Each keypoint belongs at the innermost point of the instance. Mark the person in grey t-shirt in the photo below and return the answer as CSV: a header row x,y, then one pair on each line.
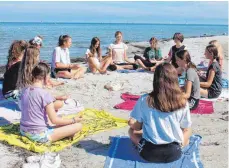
x,y
212,87
192,85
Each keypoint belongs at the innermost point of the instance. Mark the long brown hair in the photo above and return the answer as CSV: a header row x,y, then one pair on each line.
x,y
92,46
184,55
166,95
212,49
30,59
40,71
16,50
219,47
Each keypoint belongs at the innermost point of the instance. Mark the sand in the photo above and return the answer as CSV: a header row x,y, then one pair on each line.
x,y
92,151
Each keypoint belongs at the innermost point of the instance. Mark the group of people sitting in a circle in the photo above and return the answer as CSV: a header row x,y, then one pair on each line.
x,y
160,122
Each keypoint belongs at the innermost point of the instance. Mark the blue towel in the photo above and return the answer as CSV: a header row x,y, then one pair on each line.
x,y
122,154
130,71
1,85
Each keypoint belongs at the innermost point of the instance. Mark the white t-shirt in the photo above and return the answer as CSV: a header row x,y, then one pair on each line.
x,y
96,58
60,55
118,51
161,127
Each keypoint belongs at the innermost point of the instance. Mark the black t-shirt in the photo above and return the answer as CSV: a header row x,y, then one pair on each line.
x,y
10,78
216,85
174,49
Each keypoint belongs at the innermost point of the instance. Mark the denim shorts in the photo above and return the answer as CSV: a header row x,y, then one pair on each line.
x,y
42,137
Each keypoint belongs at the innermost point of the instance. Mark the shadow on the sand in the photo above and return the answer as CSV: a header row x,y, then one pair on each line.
x,y
93,147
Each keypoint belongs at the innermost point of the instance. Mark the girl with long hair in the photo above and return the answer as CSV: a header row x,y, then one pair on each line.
x,y
94,57
212,86
37,104
16,53
192,81
164,117
220,52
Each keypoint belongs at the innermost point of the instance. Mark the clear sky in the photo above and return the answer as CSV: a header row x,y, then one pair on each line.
x,y
116,12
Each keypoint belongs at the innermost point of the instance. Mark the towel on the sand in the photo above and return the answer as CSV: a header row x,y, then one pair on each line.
x,y
130,71
93,121
204,107
123,154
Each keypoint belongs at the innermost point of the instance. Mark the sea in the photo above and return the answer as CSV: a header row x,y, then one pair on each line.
x,y
82,33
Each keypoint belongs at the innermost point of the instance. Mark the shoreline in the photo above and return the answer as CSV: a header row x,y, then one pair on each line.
x,y
81,59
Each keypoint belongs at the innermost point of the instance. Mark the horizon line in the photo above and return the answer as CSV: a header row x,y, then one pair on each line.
x,y
60,22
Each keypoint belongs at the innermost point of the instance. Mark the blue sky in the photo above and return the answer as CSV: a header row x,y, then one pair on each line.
x,y
116,12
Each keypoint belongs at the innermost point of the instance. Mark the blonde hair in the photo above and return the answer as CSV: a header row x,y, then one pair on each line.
x,y
219,48
30,59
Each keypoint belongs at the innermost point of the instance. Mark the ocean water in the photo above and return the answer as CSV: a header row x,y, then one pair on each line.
x,y
82,33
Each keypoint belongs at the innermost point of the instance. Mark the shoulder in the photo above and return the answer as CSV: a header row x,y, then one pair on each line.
x,y
191,70
57,49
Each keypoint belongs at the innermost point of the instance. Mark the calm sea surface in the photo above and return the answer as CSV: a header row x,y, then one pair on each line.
x,y
82,34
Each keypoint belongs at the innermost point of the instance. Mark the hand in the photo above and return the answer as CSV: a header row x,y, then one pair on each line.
x,y
78,119
64,97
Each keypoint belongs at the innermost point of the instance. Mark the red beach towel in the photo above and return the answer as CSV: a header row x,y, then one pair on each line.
x,y
204,107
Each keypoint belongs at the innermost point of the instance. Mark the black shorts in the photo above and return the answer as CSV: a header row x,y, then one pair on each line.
x,y
212,94
113,67
53,73
163,153
145,62
193,103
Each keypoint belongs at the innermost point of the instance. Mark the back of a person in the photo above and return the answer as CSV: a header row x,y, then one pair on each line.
x,y
162,119
10,78
161,127
33,113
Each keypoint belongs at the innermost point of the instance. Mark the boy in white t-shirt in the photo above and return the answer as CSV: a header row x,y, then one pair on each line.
x,y
117,51
61,64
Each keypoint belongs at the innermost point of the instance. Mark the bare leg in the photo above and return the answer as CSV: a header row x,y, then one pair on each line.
x,y
78,73
135,138
105,63
64,74
204,92
65,131
141,64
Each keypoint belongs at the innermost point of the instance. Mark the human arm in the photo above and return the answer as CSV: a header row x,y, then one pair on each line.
x,y
185,124
188,89
58,120
209,81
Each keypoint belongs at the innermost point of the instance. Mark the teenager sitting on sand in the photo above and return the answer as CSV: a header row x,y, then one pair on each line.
x,y
212,85
61,64
94,57
30,59
220,53
37,42
16,53
117,51
164,118
178,39
36,104
192,84
151,57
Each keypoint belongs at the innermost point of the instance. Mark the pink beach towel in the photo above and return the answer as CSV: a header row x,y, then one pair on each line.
x,y
204,107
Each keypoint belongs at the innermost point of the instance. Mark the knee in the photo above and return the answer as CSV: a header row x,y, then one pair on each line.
x,y
130,132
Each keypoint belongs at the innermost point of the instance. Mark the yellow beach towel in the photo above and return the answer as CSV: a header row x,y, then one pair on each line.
x,y
93,121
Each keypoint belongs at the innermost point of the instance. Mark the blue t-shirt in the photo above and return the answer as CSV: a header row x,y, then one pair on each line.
x,y
161,127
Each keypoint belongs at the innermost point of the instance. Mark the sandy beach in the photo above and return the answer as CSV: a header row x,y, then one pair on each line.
x,y
92,151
